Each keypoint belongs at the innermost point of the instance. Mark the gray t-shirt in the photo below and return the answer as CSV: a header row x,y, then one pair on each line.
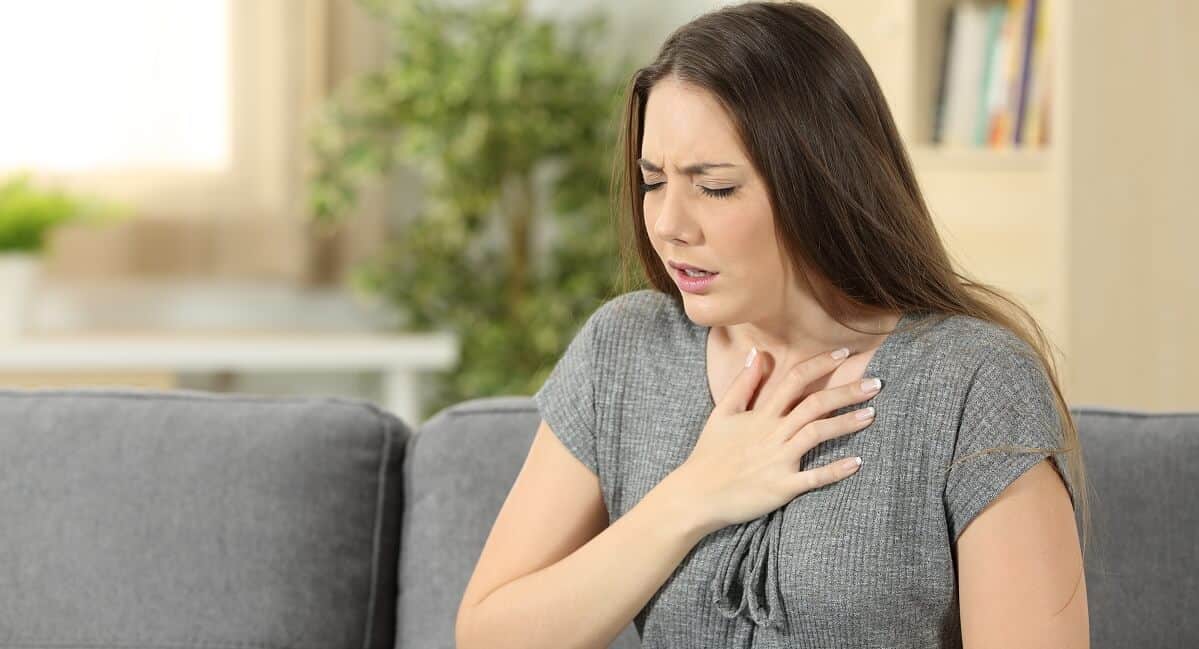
x,y
867,561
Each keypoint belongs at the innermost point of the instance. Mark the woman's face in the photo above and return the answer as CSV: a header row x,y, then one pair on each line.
x,y
714,217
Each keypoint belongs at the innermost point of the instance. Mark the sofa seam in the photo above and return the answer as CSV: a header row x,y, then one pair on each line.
x,y
380,493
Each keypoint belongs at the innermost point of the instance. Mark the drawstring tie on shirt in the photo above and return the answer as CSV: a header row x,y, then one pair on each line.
x,y
746,580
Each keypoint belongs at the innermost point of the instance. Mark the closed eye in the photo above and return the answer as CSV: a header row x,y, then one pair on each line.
x,y
714,193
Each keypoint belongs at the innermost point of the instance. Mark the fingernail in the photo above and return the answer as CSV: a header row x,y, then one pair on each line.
x,y
841,353
753,351
870,385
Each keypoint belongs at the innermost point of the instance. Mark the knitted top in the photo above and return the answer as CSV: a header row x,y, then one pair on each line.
x,y
867,561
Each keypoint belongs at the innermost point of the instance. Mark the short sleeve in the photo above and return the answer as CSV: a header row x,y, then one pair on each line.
x,y
566,400
1010,402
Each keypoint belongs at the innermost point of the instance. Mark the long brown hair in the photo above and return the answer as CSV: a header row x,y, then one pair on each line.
x,y
847,208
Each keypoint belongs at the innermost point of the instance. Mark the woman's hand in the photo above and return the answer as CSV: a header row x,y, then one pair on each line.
x,y
746,462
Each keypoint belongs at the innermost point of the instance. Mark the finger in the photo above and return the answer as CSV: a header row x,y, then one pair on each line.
x,y
812,479
740,394
820,403
808,436
798,377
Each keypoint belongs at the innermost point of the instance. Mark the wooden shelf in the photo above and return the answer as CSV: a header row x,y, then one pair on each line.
x,y
1093,232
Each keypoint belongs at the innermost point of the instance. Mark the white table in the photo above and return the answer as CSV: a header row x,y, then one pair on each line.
x,y
399,358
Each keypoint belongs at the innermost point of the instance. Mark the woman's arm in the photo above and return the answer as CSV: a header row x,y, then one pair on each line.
x,y
1020,569
553,573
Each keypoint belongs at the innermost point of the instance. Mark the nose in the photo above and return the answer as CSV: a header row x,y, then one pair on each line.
x,y
669,216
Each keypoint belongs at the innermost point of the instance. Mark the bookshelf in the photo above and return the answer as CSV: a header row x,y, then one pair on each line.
x,y
1093,231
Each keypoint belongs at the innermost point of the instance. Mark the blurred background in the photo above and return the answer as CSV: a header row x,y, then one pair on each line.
x,y
406,200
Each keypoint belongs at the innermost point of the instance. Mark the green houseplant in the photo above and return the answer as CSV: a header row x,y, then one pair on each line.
x,y
510,121
27,215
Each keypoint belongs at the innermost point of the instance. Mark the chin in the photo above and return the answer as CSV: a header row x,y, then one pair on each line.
x,y
702,309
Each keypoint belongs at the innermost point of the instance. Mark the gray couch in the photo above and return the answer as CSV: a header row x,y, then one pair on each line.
x,y
137,518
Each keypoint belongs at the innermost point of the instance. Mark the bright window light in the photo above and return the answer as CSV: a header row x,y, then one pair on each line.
x,y
114,85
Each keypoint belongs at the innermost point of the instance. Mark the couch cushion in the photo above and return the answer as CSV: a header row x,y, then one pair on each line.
x,y
1143,560
134,517
459,468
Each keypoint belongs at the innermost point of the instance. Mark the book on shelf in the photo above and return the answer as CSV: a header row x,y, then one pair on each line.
x,y
993,90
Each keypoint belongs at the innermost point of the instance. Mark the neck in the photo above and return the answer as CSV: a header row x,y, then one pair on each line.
x,y
793,339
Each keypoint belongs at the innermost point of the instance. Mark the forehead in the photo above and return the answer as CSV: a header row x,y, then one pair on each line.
x,y
685,124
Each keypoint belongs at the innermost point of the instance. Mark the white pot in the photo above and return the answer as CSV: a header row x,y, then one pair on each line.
x,y
19,273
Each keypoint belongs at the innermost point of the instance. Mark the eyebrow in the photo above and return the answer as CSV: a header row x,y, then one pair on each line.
x,y
697,168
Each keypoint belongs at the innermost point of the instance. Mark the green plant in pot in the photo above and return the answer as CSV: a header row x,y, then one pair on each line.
x,y
510,121
27,216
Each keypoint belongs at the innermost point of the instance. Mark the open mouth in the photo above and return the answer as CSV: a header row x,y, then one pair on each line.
x,y
694,283
688,270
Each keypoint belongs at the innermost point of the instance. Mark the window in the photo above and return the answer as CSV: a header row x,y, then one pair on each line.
x,y
181,108
115,85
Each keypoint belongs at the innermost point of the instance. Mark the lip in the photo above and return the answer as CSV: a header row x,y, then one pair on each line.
x,y
678,265
697,285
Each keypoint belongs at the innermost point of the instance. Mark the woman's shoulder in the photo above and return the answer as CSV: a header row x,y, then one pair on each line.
x,y
644,324
646,311
973,344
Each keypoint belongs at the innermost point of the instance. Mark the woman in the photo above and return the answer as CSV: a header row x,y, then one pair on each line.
x,y
708,500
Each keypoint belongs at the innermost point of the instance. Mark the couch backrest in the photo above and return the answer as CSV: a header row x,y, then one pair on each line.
x,y
1143,560
459,467
1142,564
140,517
189,519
